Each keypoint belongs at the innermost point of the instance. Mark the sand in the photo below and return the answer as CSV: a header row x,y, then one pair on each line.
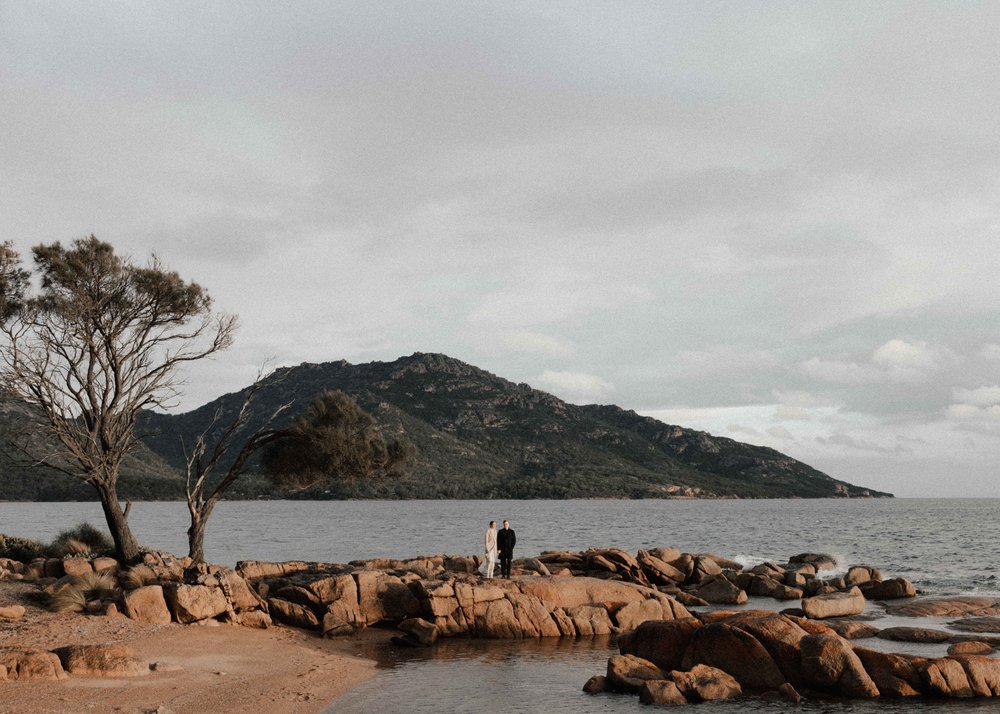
x,y
199,669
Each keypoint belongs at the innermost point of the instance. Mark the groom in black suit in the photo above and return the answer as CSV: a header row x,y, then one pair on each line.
x,y
505,545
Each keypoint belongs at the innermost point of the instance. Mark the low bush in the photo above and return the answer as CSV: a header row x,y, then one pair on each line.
x,y
82,539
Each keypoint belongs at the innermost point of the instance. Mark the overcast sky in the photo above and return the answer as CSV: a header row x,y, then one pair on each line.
x,y
774,221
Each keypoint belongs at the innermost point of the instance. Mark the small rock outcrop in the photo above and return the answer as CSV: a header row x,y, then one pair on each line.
x,y
12,612
110,660
146,604
31,663
838,604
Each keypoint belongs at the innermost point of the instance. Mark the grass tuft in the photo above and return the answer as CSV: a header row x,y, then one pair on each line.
x,y
74,595
67,599
81,539
138,576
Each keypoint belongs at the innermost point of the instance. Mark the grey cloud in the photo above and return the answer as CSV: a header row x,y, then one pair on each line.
x,y
691,201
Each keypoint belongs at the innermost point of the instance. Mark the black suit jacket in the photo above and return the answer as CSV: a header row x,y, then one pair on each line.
x,y
505,541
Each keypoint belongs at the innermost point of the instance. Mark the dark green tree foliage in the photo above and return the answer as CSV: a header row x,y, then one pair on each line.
x,y
334,439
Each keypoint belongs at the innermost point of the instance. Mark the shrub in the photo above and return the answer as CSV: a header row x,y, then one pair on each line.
x,y
21,549
74,595
67,599
137,576
82,538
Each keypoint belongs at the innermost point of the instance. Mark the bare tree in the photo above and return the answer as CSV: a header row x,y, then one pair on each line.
x,y
203,459
100,340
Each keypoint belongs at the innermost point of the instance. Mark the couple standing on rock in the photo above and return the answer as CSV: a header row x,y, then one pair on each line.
x,y
502,541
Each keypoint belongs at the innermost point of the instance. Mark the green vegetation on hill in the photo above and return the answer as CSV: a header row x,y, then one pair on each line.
x,y
476,436
480,436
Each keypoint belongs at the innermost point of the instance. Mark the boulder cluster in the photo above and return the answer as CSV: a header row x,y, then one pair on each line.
x,y
702,579
669,654
724,654
159,590
442,596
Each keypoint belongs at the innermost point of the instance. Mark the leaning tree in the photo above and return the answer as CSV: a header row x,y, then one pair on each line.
x,y
96,341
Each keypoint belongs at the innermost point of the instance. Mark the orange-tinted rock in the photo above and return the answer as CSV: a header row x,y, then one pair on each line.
x,y
914,634
658,570
30,663
590,620
703,567
895,675
626,673
257,619
12,612
257,569
102,564
970,647
191,603
780,637
829,662
662,642
893,589
294,614
661,692
812,626
945,677
736,652
947,607
717,589
146,604
858,574
533,616
983,674
238,592
498,621
424,632
838,604
77,566
852,630
114,660
335,587
704,684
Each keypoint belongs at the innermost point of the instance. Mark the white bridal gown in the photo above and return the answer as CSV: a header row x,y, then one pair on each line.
x,y
490,561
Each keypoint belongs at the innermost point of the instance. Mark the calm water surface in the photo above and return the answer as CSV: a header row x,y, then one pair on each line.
x,y
945,546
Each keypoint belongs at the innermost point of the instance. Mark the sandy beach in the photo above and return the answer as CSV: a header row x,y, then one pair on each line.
x,y
224,668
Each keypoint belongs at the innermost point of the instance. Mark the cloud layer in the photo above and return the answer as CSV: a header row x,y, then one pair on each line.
x,y
783,217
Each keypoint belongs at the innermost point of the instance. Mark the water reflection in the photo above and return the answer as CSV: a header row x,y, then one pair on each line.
x,y
466,675
546,676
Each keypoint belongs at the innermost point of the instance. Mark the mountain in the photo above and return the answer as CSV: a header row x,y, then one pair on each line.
x,y
480,436
144,475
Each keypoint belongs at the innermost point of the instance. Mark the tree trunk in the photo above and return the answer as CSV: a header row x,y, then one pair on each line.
x,y
126,546
196,531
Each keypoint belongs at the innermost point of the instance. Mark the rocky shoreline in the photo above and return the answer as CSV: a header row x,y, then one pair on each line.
x,y
676,644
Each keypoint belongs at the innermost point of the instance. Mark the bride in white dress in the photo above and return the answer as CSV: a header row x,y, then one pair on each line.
x,y
490,561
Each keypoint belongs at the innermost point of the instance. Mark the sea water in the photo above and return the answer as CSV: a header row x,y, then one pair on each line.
x,y
945,546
